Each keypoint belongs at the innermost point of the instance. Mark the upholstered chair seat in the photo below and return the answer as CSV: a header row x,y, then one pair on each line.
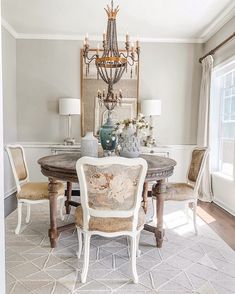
x,y
29,192
37,191
178,192
109,224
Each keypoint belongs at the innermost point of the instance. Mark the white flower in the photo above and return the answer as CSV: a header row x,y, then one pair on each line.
x,y
120,188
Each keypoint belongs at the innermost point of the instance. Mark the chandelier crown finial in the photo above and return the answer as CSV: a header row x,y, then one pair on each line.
x,y
112,12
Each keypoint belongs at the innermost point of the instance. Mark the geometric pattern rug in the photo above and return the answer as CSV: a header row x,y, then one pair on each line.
x,y
186,263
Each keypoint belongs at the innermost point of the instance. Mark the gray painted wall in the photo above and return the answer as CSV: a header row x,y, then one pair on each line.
x,y
171,72
9,86
9,101
226,51
49,69
46,71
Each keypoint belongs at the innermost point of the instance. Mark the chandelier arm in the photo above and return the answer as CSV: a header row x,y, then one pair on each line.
x,y
131,63
131,60
88,59
124,55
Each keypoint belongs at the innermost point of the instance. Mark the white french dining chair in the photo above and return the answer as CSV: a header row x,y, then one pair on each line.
x,y
188,191
111,193
29,192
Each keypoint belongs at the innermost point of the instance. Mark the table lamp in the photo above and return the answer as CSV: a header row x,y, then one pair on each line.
x,y
151,108
69,107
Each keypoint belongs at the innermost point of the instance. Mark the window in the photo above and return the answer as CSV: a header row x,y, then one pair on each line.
x,y
223,118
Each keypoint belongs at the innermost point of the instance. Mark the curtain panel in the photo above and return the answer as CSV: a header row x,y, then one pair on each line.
x,y
205,190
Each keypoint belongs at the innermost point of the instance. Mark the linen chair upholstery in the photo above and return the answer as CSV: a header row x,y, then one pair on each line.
x,y
28,192
188,191
109,224
111,192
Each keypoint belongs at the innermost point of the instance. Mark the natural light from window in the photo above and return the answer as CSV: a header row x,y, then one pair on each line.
x,y
223,117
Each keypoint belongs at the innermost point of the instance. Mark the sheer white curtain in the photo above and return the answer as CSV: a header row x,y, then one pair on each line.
x,y
205,191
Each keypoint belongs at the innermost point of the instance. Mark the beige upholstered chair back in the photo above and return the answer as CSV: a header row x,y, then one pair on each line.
x,y
111,186
197,165
18,164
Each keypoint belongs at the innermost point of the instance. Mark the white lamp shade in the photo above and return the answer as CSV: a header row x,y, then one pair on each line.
x,y
151,107
69,106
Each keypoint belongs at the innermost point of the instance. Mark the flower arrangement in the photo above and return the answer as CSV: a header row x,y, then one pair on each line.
x,y
138,126
131,134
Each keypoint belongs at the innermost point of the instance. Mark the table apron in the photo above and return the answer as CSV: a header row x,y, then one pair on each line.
x,y
57,175
72,177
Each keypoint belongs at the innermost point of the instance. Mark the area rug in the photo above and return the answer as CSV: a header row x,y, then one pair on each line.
x,y
186,263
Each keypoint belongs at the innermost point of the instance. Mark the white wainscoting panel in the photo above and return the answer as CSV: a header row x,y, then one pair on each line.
x,y
9,182
224,192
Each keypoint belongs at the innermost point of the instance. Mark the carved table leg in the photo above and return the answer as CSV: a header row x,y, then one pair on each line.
x,y
53,233
68,195
159,188
145,196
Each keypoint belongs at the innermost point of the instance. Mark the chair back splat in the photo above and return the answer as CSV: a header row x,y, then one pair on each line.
x,y
197,165
18,164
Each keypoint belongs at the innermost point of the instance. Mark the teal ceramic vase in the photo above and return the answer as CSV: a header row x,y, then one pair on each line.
x,y
108,140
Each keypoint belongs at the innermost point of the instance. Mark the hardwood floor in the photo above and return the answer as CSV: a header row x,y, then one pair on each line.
x,y
222,222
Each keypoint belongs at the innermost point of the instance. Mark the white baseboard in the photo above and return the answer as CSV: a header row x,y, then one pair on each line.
x,y
10,192
224,206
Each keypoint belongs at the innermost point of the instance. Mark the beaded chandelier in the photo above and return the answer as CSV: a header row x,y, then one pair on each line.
x,y
112,63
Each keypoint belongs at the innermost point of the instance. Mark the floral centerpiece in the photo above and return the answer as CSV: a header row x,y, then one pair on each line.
x,y
130,133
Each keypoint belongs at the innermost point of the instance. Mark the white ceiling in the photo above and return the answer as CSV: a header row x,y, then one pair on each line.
x,y
157,20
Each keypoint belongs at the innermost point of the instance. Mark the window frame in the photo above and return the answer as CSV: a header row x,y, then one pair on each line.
x,y
217,118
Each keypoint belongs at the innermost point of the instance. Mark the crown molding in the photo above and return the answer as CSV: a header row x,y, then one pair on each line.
x,y
94,38
171,40
219,22
9,28
55,37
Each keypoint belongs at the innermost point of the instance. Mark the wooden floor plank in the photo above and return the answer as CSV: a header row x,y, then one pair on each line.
x,y
222,222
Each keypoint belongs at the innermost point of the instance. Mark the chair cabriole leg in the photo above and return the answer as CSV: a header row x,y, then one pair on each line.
x,y
79,232
195,217
28,214
86,257
186,211
19,212
138,251
133,259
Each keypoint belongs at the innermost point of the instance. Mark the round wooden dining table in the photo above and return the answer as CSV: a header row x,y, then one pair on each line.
x,y
62,167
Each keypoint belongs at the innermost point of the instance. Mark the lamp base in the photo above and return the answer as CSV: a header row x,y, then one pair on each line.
x,y
69,141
